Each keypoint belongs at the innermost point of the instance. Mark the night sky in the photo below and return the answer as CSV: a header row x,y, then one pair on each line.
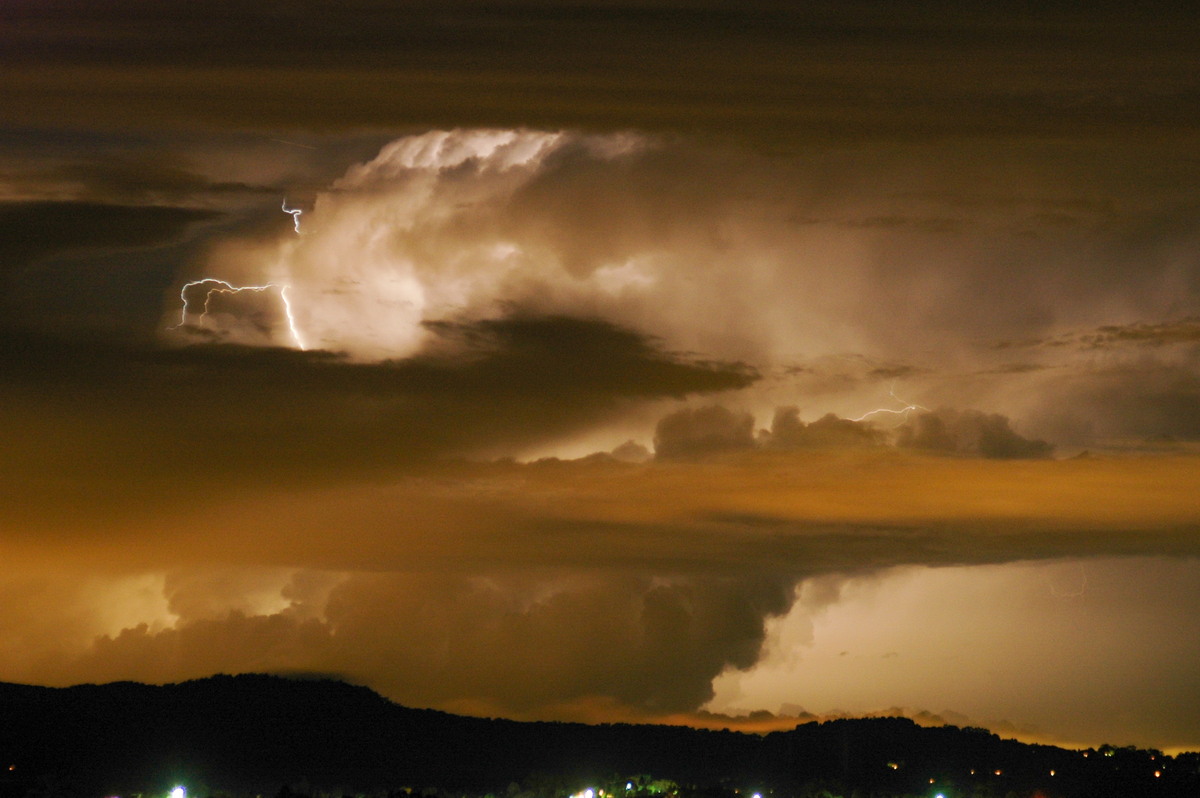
x,y
699,362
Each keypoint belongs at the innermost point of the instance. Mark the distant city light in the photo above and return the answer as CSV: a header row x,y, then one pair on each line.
x,y
940,795
629,785
1052,773
178,792
1158,774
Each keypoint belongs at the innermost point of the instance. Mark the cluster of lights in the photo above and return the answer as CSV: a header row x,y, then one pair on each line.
x,y
893,765
997,772
180,791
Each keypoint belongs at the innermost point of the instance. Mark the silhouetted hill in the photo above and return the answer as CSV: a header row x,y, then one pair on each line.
x,y
253,734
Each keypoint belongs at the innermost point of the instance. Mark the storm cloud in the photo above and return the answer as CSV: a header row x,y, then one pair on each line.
x,y
537,242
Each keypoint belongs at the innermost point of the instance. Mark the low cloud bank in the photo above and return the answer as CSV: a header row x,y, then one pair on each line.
x,y
696,433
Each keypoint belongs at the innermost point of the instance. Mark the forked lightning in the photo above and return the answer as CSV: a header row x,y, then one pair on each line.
x,y
902,412
215,286
295,212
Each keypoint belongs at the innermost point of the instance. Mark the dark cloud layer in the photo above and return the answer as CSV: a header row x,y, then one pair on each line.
x,y
66,266
969,432
692,433
487,643
713,430
789,432
1110,336
110,414
30,231
844,69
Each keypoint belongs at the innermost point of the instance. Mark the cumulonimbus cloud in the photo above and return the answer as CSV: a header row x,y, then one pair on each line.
x,y
469,294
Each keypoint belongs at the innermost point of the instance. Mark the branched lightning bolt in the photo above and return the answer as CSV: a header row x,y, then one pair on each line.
x,y
902,412
287,309
295,212
216,286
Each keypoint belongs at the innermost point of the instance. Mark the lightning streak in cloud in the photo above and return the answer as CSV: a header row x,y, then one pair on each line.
x,y
902,412
295,212
287,309
216,286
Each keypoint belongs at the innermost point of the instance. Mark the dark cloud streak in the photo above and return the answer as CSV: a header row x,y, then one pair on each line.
x,y
845,70
30,231
174,420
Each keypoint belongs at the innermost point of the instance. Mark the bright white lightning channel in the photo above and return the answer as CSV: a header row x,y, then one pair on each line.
x,y
902,412
216,286
295,212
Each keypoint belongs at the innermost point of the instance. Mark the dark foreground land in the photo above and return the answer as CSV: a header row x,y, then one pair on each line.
x,y
263,735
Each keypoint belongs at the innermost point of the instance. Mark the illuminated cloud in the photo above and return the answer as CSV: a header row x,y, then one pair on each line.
x,y
854,649
484,293
625,590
